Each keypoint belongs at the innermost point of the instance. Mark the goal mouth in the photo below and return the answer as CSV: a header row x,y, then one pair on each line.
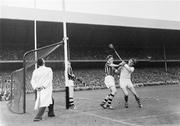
x,y
20,77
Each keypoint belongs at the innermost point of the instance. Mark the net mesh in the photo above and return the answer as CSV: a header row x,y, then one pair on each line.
x,y
17,100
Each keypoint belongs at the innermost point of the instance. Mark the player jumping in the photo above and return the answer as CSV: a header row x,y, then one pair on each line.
x,y
109,82
125,81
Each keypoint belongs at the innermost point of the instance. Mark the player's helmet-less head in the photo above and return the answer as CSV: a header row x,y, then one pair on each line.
x,y
108,57
40,62
132,61
69,63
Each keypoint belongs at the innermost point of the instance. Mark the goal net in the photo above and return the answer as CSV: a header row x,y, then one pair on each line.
x,y
20,79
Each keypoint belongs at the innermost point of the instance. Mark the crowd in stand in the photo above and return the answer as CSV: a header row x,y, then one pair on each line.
x,y
91,77
92,53
10,54
95,78
5,95
77,54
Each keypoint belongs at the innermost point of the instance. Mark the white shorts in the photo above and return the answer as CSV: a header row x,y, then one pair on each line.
x,y
70,83
125,83
109,81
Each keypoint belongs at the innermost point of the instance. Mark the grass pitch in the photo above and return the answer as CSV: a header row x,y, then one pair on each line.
x,y
161,106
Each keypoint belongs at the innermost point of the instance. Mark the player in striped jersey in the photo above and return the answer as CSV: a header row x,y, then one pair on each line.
x,y
125,81
109,82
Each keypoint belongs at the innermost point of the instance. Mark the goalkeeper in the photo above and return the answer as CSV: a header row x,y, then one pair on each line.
x,y
71,78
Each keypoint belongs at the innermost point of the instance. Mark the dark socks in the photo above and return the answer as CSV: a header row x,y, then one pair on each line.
x,y
126,98
137,98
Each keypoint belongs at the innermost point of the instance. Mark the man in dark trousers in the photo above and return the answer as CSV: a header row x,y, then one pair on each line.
x,y
42,82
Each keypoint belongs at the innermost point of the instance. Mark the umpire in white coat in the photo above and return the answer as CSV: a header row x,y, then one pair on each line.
x,y
42,82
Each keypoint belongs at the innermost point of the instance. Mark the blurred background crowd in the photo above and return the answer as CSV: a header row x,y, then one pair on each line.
x,y
88,48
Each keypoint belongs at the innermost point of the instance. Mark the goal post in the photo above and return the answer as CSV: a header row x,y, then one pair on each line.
x,y
17,103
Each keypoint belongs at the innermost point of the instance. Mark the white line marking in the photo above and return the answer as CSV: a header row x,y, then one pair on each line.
x,y
114,120
81,98
151,116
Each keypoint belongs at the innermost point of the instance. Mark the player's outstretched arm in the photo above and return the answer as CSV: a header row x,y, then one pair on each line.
x,y
131,69
113,65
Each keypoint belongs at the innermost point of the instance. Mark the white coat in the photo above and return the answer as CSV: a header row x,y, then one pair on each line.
x,y
42,77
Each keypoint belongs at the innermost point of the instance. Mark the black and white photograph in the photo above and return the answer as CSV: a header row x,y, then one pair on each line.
x,y
89,62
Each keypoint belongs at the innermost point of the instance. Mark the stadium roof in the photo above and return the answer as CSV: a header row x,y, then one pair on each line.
x,y
21,13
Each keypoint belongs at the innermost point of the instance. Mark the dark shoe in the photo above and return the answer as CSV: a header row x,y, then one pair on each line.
x,y
126,105
72,107
109,107
51,115
140,105
37,119
103,106
103,103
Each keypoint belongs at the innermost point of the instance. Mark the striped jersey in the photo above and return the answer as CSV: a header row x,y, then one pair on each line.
x,y
109,70
70,73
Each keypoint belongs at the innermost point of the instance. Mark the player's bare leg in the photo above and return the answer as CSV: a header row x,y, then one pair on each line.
x,y
125,96
132,89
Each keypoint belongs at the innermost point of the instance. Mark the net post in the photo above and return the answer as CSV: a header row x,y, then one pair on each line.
x,y
11,86
24,85
66,72
65,53
67,97
165,58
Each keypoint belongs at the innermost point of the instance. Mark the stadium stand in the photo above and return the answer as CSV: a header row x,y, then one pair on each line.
x,y
90,43
86,54
95,77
